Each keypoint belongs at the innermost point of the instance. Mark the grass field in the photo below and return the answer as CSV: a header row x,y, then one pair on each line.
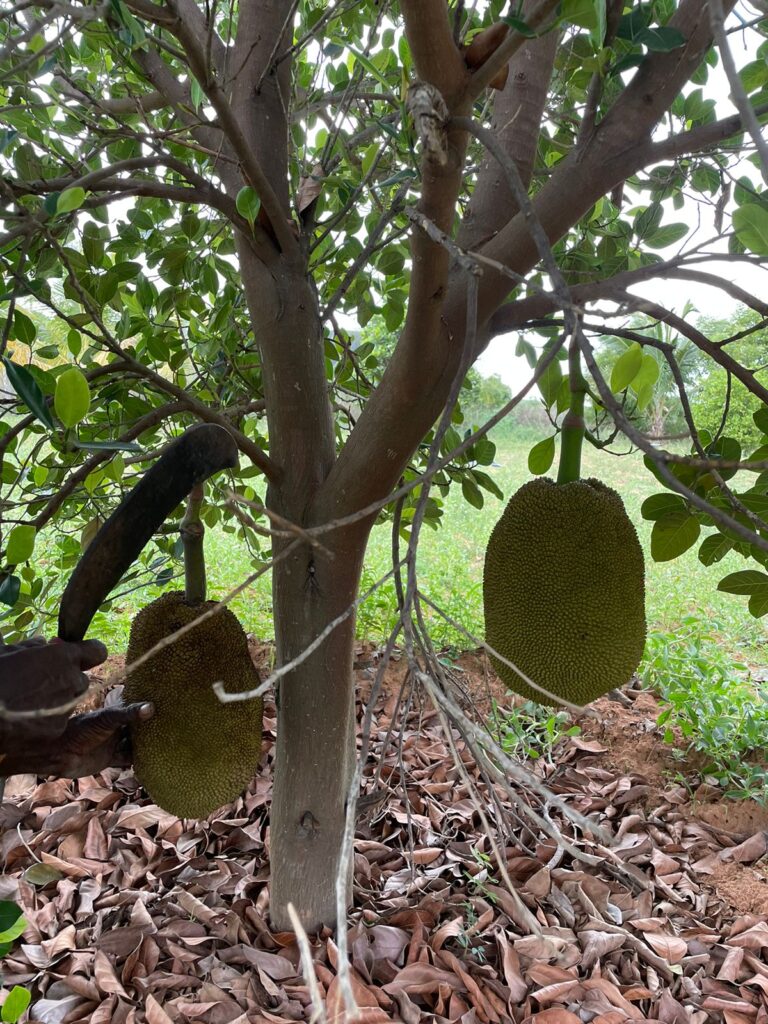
x,y
706,656
450,568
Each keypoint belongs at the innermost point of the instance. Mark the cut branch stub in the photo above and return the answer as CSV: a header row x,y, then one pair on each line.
x,y
429,113
483,45
192,533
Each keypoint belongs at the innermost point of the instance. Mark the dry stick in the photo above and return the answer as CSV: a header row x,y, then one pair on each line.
x,y
289,529
527,918
738,95
308,966
659,458
520,775
523,807
546,825
17,716
168,641
348,836
471,439
563,294
289,666
576,709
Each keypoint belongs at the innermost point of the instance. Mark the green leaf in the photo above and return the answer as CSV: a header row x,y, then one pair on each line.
x,y
488,483
541,456
761,418
472,492
647,222
748,581
626,367
12,922
107,446
24,329
483,451
519,26
661,39
758,605
73,397
589,14
248,204
644,394
42,874
70,199
16,1002
10,586
714,548
26,387
659,506
525,348
647,375
729,450
673,535
369,66
750,222
21,544
196,93
667,235
549,383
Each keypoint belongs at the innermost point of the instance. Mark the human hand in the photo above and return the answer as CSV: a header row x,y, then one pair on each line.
x,y
40,683
90,742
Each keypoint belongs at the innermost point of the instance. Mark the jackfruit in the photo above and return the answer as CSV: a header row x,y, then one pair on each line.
x,y
196,754
564,591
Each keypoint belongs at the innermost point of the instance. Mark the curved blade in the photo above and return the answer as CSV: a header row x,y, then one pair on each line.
x,y
198,453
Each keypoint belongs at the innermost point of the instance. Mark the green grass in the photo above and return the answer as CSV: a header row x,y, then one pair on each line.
x,y
703,646
450,569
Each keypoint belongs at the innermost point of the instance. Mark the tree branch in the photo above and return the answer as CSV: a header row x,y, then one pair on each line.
x,y
536,20
435,55
698,139
232,128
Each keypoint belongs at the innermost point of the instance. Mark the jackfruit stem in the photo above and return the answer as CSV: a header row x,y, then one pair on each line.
x,y
572,434
192,533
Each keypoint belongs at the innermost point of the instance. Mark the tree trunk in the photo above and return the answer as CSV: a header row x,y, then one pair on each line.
x,y
310,587
315,731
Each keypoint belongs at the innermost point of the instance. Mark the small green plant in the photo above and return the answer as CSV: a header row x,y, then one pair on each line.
x,y
719,710
12,924
530,730
466,938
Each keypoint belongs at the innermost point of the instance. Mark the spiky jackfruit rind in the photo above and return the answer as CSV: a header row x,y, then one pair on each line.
x,y
564,591
196,754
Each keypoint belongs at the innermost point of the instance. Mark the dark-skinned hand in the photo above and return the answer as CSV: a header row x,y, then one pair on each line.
x,y
49,679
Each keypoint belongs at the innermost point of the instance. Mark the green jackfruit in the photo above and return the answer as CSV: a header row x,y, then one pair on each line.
x,y
564,591
196,754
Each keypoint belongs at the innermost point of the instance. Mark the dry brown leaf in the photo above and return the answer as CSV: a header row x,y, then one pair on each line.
x,y
671,947
335,1006
753,938
555,1015
105,976
421,979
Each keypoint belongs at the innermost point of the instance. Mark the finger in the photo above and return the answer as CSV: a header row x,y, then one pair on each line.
x,y
141,712
130,714
89,653
100,724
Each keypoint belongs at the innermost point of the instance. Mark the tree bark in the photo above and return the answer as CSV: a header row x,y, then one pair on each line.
x,y
315,732
311,586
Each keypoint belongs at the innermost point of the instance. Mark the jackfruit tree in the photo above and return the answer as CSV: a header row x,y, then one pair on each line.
x,y
209,200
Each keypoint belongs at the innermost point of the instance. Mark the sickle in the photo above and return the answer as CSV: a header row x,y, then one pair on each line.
x,y
196,455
